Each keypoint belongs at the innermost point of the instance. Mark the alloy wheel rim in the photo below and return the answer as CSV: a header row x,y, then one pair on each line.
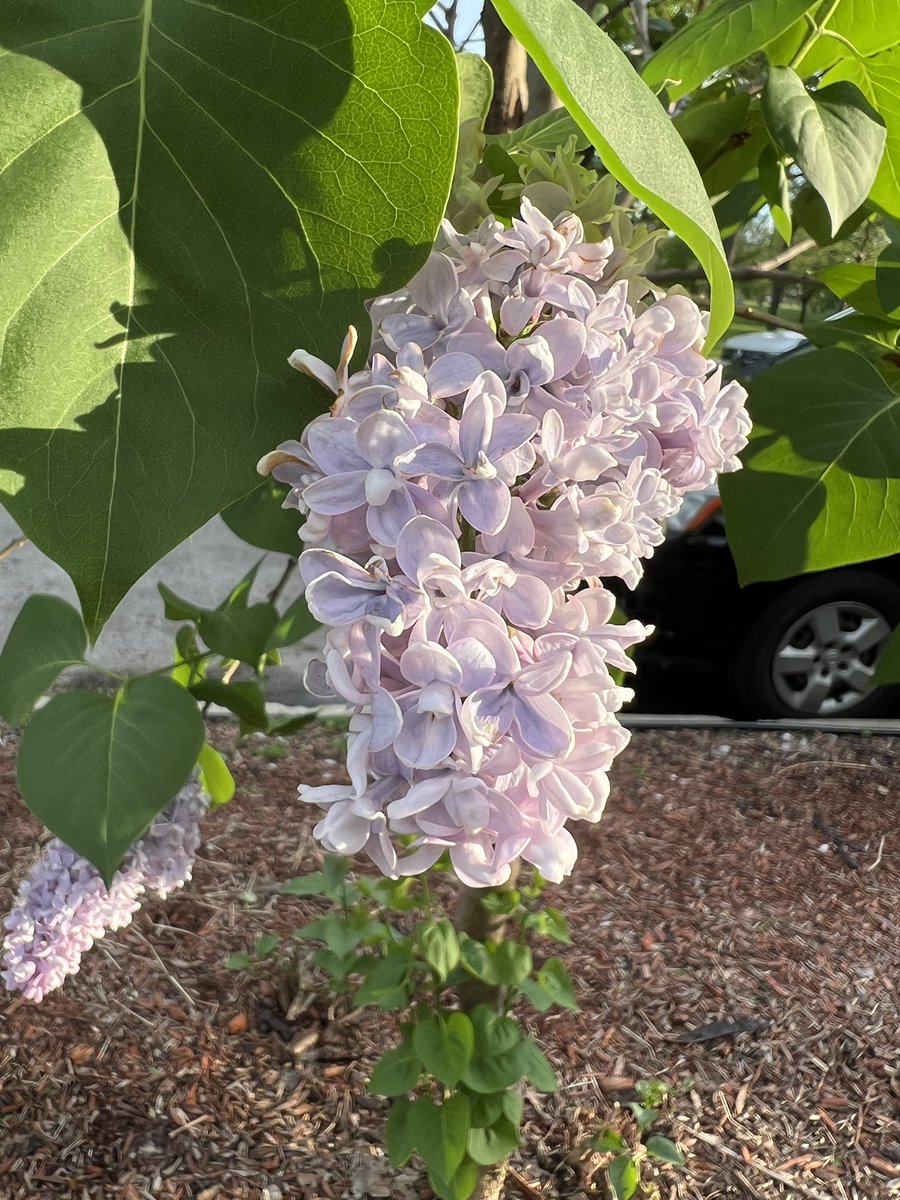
x,y
824,662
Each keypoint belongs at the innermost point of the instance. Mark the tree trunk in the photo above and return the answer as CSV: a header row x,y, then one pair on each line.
x,y
490,1183
475,920
509,64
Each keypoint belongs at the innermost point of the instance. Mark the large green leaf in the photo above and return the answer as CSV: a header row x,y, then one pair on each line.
x,y
445,1045
47,636
627,126
868,25
97,769
834,134
189,189
439,1132
821,481
726,32
879,80
261,519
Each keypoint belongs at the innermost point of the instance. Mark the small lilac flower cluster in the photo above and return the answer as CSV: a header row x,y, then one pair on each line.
x,y
521,433
63,906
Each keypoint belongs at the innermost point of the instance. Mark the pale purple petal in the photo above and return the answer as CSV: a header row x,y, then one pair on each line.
x,y
384,435
484,503
431,459
336,493
425,740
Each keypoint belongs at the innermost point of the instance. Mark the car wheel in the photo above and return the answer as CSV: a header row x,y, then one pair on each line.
x,y
812,650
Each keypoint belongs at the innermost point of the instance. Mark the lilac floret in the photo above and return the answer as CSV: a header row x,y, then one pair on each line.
x,y
63,906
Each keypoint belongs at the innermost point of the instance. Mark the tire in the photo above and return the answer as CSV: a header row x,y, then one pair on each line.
x,y
809,651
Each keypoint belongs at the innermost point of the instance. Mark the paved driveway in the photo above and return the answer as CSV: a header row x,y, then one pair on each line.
x,y
138,637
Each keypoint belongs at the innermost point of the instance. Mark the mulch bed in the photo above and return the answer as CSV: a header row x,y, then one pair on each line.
x,y
754,883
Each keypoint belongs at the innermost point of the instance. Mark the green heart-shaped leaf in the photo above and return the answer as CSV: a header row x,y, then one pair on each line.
x,y
834,135
97,769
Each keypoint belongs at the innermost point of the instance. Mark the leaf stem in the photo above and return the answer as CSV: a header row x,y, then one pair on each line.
x,y
15,544
817,30
282,582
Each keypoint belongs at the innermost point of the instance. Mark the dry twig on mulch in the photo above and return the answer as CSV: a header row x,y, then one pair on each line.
x,y
722,943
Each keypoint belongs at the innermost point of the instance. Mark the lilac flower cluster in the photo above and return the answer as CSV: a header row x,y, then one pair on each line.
x,y
521,433
63,906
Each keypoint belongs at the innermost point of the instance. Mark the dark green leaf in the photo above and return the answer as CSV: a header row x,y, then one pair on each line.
x,y
385,980
738,206
887,280
238,962
498,1062
294,623
608,1141
494,1034
628,127
460,1186
711,121
445,1045
342,934
822,473
440,945
261,519
492,1145
47,636
774,183
215,778
871,337
97,769
265,945
834,134
537,1066
197,189
478,962
396,1072
398,1137
643,1117
512,962
187,651
624,1177
177,609
292,724
539,998
487,1108
240,633
439,1132
554,978
735,161
514,1106
724,33
664,1150
878,78
810,212
245,699
501,902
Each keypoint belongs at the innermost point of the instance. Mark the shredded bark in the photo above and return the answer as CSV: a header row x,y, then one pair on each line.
x,y
713,895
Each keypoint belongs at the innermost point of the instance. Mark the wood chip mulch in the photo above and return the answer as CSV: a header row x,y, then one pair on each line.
x,y
735,919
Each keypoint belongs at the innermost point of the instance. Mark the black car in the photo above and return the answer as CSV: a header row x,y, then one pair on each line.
x,y
801,647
